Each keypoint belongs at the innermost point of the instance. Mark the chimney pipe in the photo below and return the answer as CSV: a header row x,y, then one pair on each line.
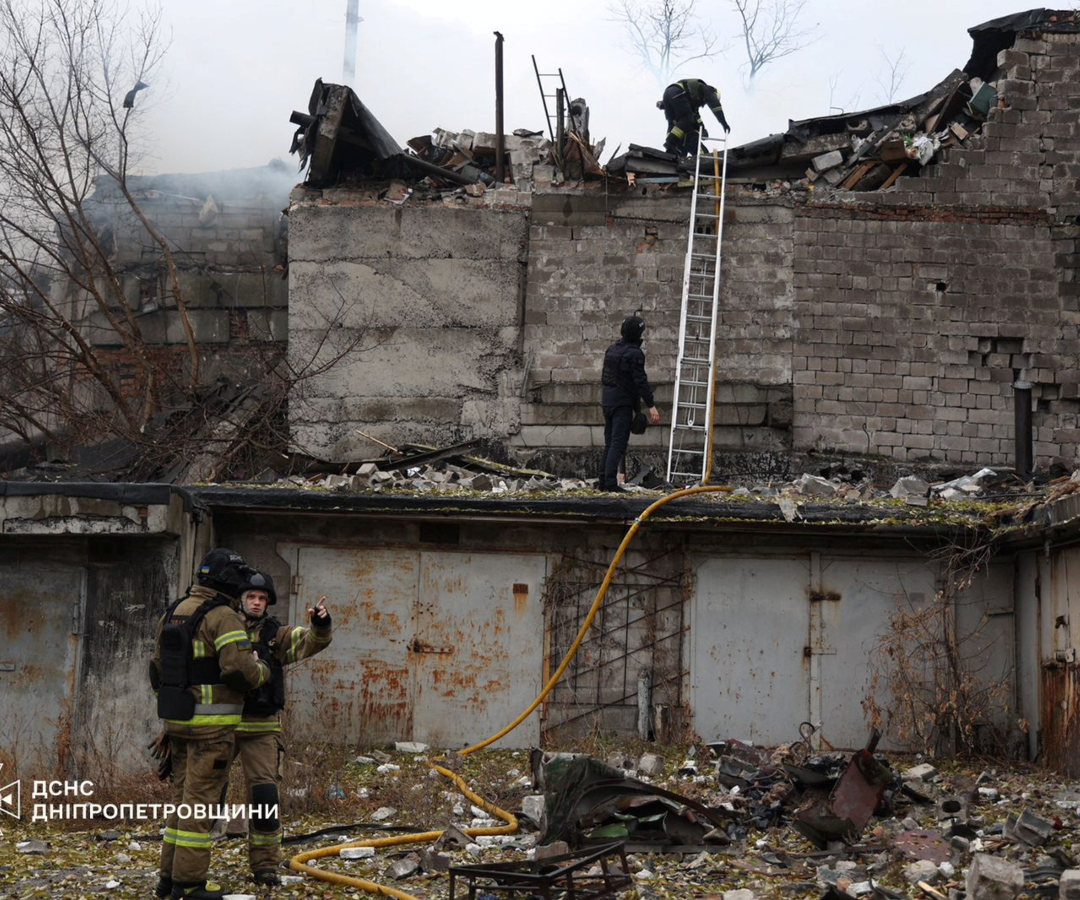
x,y
500,138
352,21
1022,433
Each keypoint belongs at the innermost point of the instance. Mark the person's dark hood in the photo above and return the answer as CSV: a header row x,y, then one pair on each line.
x,y
632,329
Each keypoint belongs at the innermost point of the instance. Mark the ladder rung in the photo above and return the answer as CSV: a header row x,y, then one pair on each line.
x,y
690,452
692,318
708,256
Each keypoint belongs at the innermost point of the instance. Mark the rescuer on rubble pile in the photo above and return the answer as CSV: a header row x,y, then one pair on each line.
x,y
681,104
259,742
203,665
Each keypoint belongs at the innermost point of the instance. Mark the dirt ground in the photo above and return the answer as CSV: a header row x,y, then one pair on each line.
x,y
82,859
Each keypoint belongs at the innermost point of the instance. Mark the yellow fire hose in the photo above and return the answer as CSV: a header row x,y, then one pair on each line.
x,y
299,862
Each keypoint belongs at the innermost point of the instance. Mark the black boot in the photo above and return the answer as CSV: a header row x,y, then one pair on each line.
x,y
268,877
164,887
199,890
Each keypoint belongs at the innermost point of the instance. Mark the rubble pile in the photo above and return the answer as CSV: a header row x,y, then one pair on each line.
x,y
472,154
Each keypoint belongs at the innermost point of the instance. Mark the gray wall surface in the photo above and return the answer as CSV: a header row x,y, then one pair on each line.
x,y
888,323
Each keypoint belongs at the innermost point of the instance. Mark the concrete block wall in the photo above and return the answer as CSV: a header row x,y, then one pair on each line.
x,y
919,308
891,323
424,309
583,279
227,237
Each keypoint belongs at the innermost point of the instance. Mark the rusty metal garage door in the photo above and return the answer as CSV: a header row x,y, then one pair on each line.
x,y
40,615
749,624
443,647
776,641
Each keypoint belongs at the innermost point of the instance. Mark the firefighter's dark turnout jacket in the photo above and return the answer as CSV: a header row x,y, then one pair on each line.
x,y
681,103
221,637
224,669
281,645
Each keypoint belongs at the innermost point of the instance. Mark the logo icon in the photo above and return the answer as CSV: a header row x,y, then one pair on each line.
x,y
10,797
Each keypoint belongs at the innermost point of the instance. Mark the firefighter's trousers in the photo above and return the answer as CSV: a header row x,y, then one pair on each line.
x,y
261,756
200,772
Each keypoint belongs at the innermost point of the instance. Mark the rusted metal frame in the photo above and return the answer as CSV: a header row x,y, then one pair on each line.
x,y
641,569
622,656
642,618
526,877
588,712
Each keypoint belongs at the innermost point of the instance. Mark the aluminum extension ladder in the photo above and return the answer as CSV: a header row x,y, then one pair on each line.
x,y
690,448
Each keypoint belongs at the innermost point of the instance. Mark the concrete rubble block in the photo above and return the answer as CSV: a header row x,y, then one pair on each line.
x,y
993,878
650,764
405,867
430,861
356,852
911,490
921,870
411,747
481,482
452,838
383,813
815,486
952,808
534,807
740,894
1069,885
827,161
1033,830
555,848
833,177
924,771
36,848
367,470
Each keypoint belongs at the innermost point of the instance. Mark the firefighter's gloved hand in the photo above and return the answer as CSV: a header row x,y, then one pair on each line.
x,y
724,124
319,614
161,750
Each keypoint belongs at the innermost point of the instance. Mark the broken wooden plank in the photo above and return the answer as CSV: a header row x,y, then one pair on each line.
x,y
897,172
855,177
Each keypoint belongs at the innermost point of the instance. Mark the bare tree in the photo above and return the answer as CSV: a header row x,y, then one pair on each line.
x,y
77,362
834,87
890,78
771,30
664,35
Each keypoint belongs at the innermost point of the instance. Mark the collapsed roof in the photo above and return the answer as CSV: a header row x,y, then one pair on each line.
x,y
871,148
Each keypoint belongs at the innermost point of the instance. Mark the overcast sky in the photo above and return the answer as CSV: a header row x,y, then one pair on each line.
x,y
237,68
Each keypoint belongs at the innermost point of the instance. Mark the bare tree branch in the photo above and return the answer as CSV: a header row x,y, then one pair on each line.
x,y
890,78
664,35
771,30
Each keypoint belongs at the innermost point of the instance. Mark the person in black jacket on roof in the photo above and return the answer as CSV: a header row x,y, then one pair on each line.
x,y
681,104
625,386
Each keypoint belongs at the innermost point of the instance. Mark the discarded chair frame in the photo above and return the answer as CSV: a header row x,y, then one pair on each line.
x,y
565,876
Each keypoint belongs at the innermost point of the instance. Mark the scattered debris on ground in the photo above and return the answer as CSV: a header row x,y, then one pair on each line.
x,y
936,829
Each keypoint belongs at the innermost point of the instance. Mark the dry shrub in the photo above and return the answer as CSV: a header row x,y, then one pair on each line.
x,y
941,697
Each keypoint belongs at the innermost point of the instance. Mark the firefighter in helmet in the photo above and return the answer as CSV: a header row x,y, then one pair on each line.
x,y
259,742
202,668
681,105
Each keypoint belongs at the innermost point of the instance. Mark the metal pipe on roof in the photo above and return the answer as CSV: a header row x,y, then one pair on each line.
x,y
500,138
1022,431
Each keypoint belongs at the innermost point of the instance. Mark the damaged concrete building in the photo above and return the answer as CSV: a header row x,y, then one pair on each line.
x,y
889,324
